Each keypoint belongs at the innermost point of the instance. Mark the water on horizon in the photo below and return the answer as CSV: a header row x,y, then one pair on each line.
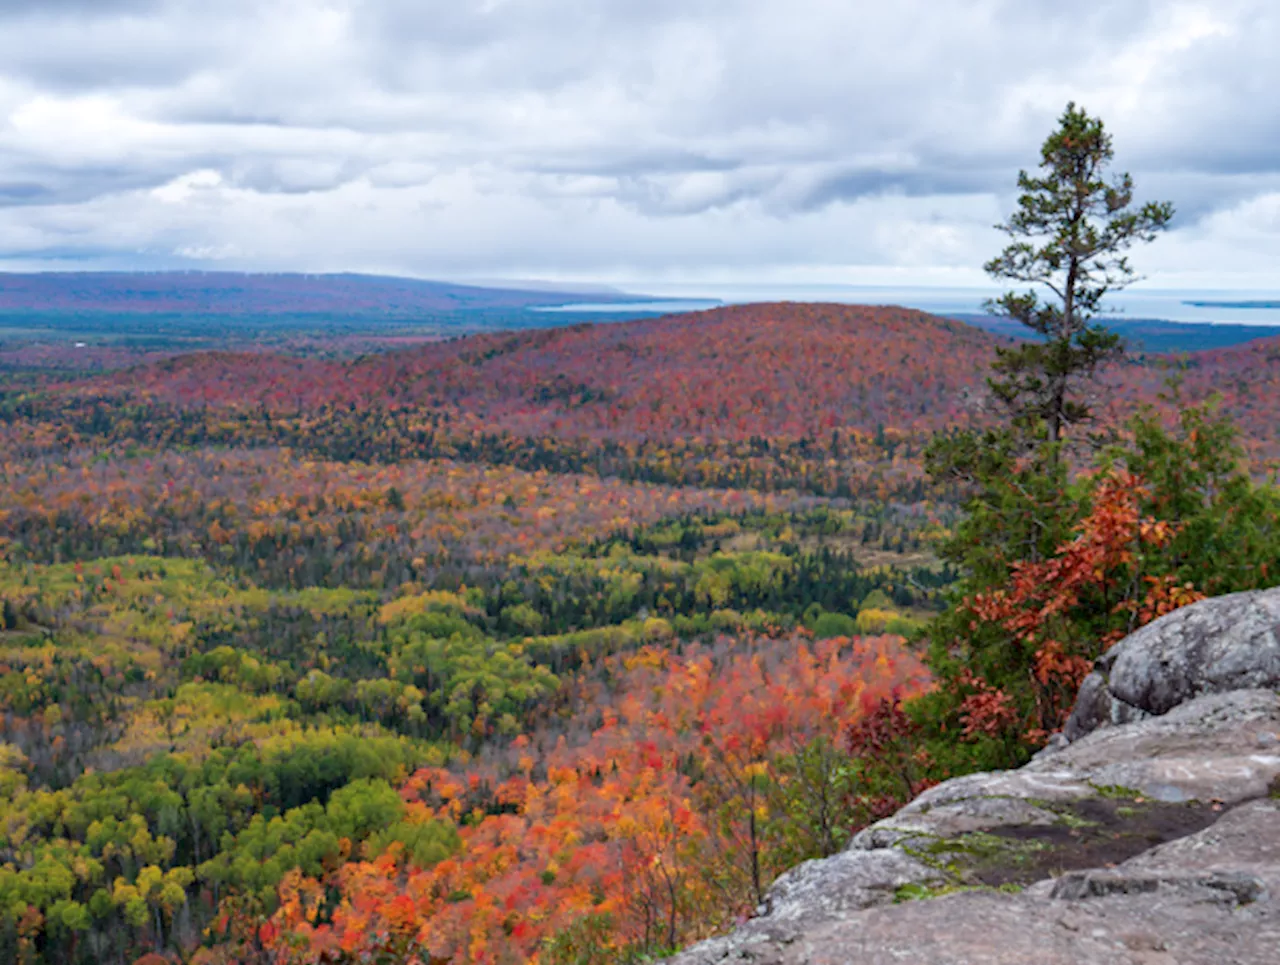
x,y
1163,305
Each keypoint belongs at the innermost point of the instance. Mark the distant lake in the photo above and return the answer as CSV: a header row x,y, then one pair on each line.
x,y
1199,305
651,307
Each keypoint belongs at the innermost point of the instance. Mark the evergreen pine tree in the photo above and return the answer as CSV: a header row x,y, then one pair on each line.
x,y
1069,235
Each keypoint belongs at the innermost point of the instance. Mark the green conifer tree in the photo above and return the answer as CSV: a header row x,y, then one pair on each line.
x,y
1069,235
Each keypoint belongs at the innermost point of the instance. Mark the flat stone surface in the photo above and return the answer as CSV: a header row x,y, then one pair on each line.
x,y
1244,842
1178,922
982,928
817,891
1216,747
957,817
1220,747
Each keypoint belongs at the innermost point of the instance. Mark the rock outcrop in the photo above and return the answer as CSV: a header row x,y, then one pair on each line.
x,y
1216,646
1149,834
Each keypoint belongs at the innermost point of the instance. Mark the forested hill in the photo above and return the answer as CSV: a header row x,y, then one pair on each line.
x,y
784,369
1245,378
778,371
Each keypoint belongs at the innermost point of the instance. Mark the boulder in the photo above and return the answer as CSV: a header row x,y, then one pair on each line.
x,y
1215,646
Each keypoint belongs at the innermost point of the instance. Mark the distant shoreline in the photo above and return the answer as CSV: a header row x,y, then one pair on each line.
x,y
1255,304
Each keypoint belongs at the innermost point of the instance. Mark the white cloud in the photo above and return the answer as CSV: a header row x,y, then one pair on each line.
x,y
182,189
609,138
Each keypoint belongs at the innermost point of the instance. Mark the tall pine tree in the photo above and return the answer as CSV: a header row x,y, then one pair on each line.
x,y
1069,235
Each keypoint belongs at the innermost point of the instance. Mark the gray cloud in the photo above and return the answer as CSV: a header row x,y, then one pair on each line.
x,y
48,9
19,192
614,138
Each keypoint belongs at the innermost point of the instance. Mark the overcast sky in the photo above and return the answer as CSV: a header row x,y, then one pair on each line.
x,y
695,141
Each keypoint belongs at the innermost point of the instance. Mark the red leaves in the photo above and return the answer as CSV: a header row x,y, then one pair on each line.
x,y
882,726
1164,595
1099,572
986,710
886,740
272,501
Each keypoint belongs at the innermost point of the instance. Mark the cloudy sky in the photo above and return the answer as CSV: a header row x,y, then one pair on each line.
x,y
628,141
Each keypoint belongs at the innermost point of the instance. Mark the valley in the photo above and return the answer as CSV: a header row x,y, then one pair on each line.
x,y
556,644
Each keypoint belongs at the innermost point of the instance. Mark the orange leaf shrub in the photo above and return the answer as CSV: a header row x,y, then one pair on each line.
x,y
1064,610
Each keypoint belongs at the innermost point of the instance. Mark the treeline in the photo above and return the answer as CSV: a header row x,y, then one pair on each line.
x,y
284,522
289,520
878,464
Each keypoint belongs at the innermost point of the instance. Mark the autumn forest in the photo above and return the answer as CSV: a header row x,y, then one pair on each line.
x,y
555,645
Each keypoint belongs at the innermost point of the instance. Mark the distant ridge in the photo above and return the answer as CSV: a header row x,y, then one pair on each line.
x,y
779,369
243,293
186,309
